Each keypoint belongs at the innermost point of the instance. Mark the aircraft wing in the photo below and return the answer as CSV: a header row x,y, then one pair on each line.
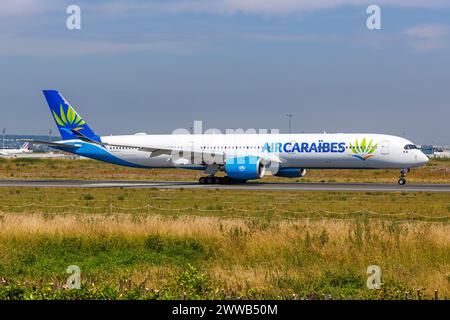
x,y
52,144
157,151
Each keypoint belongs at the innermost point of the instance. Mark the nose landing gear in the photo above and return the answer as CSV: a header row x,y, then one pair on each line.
x,y
402,180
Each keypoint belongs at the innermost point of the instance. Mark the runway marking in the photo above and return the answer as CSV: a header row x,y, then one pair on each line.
x,y
368,187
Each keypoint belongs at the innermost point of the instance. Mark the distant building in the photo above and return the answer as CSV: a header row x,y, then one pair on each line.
x,y
428,150
442,154
435,151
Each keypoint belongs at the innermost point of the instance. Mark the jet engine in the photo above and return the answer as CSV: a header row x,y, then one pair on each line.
x,y
244,168
291,172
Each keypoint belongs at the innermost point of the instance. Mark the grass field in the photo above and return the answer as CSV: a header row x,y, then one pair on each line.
x,y
223,244
436,171
167,244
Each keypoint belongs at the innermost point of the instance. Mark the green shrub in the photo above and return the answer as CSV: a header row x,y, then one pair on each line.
x,y
178,250
154,242
87,197
192,283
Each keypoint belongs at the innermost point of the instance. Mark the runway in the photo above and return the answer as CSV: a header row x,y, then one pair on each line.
x,y
372,187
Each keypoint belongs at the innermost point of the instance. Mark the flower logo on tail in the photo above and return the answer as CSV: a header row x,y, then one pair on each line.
x,y
69,119
363,150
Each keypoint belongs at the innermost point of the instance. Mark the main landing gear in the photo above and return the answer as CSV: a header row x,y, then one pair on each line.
x,y
210,180
402,180
219,180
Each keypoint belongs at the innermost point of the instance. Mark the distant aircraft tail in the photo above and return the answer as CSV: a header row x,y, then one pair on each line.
x,y
25,146
69,123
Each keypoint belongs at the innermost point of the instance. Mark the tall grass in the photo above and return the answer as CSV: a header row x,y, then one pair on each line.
x,y
228,257
176,244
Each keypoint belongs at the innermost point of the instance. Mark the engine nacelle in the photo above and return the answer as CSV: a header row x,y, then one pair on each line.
x,y
245,168
290,173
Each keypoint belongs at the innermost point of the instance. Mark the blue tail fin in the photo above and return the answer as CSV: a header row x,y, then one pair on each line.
x,y
69,123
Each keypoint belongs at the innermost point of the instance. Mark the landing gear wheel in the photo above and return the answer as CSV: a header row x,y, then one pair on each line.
x,y
219,180
210,180
402,180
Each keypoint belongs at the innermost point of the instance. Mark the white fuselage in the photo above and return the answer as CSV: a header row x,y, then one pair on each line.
x,y
293,150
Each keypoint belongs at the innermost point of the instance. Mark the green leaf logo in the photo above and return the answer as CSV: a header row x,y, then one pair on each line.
x,y
69,119
363,150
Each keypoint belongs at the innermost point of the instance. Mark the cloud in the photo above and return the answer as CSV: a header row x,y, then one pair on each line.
x,y
15,8
428,37
255,7
28,38
18,8
280,37
57,46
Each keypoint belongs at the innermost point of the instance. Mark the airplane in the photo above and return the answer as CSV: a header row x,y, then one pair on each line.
x,y
14,152
241,157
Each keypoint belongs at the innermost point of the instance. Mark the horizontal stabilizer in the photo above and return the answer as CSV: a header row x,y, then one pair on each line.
x,y
52,144
83,137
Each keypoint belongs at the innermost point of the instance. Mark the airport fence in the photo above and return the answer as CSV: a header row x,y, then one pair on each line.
x,y
226,213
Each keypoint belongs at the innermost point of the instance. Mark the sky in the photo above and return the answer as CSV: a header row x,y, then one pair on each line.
x,y
156,66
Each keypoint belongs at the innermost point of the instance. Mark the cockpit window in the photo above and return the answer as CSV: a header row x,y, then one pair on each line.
x,y
410,147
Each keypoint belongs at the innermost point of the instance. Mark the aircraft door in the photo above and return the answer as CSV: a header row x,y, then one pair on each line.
x,y
190,146
385,147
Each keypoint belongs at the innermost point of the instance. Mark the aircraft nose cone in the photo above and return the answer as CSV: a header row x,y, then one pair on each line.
x,y
423,158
